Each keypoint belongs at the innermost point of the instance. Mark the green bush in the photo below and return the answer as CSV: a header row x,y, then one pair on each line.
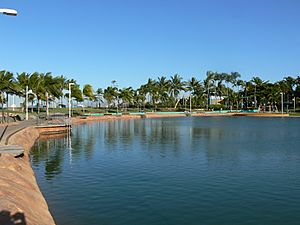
x,y
216,107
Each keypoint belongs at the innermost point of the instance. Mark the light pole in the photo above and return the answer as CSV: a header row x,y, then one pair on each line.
x,y
9,12
294,99
13,105
255,101
281,102
26,102
70,96
191,103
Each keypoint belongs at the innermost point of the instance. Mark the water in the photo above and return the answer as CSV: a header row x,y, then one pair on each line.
x,y
169,171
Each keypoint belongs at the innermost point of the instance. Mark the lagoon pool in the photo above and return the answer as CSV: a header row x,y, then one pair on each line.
x,y
169,171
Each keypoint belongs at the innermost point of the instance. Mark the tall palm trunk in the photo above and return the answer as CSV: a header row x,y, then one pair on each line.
x,y
7,101
176,104
2,119
2,104
38,106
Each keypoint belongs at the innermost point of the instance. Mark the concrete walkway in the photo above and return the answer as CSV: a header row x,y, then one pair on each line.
x,y
10,129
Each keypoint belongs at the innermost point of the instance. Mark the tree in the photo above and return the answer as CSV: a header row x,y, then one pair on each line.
x,y
151,88
88,92
63,85
176,85
76,92
140,95
99,96
53,88
209,85
258,85
163,85
110,94
126,94
195,87
36,81
7,85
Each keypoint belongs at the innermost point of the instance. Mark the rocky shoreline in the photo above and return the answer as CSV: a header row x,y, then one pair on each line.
x,y
21,201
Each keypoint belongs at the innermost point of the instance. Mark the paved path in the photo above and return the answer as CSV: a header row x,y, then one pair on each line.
x,y
13,128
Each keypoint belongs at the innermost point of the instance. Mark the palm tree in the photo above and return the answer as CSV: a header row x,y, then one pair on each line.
x,y
258,84
240,85
176,85
88,92
110,94
76,92
234,77
99,96
140,95
7,85
163,87
209,85
63,84
193,85
12,88
151,89
53,88
36,81
23,81
126,95
196,89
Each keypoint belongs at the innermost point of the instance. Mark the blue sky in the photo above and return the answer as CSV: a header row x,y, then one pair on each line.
x,y
95,41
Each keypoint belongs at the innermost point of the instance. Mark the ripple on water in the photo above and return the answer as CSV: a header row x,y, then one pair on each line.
x,y
174,171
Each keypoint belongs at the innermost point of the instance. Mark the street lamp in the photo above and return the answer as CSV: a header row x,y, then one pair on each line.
x,y
9,12
191,103
70,96
26,101
255,101
281,93
294,99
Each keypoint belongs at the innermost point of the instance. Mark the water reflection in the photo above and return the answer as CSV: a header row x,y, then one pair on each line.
x,y
47,151
152,170
215,140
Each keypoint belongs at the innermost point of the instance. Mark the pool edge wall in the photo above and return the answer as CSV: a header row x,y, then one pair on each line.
x,y
20,196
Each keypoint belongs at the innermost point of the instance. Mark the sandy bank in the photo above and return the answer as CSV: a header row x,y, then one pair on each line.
x,y
20,197
78,120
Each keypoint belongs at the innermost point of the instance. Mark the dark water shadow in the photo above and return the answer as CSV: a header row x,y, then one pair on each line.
x,y
6,218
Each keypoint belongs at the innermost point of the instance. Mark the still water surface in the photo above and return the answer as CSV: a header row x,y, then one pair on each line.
x,y
173,171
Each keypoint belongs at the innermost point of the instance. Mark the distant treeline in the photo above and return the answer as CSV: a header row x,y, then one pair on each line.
x,y
216,90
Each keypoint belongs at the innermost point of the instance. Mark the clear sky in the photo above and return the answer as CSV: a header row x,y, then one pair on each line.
x,y
97,41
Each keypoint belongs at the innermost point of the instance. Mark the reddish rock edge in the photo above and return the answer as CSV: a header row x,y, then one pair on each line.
x,y
19,191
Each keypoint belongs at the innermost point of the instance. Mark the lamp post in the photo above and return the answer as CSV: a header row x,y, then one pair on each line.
x,y
26,102
281,93
9,12
70,96
294,99
255,101
191,103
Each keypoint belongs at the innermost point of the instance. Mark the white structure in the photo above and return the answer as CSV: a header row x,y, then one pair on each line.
x,y
70,97
9,12
27,92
